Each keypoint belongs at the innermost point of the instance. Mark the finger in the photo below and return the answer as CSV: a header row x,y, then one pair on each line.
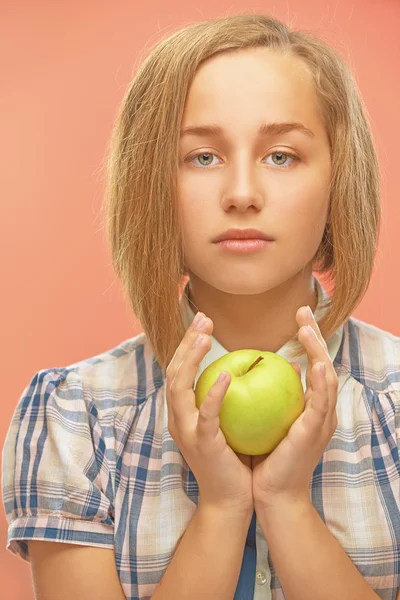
x,y
306,317
186,342
313,348
297,368
316,351
305,320
208,416
197,348
318,409
186,347
182,397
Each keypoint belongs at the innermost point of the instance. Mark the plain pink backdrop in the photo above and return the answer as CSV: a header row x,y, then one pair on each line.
x,y
65,69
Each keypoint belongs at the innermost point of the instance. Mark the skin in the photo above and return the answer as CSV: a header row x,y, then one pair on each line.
x,y
252,299
259,301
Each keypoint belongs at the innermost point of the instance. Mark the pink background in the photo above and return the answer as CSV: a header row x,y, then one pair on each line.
x,y
66,67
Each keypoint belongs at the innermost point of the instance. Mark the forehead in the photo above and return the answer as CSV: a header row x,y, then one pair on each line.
x,y
255,83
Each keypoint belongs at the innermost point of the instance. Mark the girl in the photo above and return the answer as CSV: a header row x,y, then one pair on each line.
x,y
115,485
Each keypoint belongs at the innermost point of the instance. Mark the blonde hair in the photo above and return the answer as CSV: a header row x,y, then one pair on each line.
x,y
141,210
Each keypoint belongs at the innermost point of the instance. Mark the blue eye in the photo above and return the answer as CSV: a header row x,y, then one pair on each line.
x,y
201,155
281,156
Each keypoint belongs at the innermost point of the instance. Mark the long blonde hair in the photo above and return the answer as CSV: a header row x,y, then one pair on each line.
x,y
141,210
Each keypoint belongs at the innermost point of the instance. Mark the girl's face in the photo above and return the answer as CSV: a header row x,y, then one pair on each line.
x,y
277,182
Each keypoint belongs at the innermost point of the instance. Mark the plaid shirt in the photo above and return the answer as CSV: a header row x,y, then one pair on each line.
x,y
88,459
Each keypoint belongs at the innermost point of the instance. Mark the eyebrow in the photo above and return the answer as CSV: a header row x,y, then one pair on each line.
x,y
266,129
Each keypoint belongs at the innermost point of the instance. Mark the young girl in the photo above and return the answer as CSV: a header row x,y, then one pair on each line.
x,y
114,484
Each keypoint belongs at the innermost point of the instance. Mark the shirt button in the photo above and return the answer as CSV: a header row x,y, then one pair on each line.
x,y
261,578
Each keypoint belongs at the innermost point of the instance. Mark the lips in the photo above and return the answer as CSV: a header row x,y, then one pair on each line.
x,y
242,234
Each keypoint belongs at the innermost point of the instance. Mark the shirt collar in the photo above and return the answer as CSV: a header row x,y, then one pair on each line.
x,y
217,350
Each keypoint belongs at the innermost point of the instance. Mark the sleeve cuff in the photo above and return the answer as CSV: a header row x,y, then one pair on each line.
x,y
54,528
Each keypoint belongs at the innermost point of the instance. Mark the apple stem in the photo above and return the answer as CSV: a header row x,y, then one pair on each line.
x,y
255,363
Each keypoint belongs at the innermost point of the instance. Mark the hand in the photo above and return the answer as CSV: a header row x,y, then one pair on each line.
x,y
224,476
287,471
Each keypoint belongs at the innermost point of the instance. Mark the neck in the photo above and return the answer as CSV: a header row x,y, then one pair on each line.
x,y
263,321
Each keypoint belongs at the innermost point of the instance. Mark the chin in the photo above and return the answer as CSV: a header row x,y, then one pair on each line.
x,y
247,286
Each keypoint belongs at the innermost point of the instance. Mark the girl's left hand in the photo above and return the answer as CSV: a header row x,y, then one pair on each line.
x,y
287,471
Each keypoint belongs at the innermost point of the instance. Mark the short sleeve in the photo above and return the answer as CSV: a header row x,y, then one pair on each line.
x,y
396,402
56,483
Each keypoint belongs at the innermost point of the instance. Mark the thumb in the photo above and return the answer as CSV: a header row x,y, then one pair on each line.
x,y
208,417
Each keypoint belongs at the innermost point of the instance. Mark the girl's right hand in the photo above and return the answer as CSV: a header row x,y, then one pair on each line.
x,y
224,477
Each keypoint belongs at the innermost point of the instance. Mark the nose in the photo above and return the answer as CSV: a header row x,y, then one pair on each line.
x,y
243,188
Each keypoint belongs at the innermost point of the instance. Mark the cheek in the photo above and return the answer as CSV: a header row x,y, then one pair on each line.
x,y
311,219
197,204
196,222
307,210
189,202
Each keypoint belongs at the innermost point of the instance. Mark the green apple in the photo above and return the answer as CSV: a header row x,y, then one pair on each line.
x,y
264,398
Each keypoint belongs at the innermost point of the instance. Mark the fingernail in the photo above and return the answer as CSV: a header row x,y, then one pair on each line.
x,y
198,340
310,312
222,377
322,368
200,324
197,318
